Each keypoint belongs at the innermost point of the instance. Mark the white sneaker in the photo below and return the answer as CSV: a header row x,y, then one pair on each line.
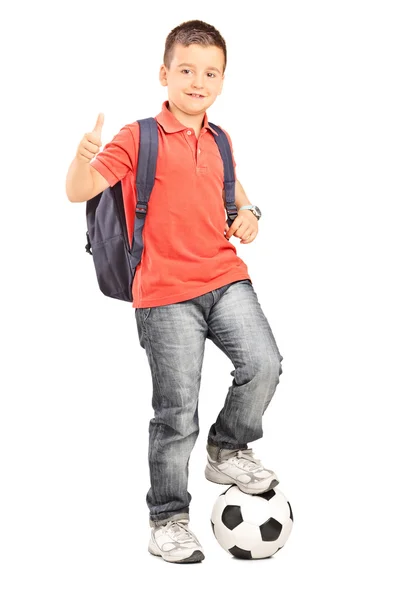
x,y
239,467
174,542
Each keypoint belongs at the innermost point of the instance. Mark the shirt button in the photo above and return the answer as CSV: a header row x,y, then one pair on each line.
x,y
189,132
198,151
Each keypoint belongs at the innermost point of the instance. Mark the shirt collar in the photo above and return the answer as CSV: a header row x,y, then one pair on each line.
x,y
170,123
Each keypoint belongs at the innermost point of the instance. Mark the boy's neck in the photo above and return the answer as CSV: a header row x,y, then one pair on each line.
x,y
193,121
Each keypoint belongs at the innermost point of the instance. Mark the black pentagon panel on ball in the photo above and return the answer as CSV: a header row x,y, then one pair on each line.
x,y
239,553
291,512
213,526
267,495
270,530
231,516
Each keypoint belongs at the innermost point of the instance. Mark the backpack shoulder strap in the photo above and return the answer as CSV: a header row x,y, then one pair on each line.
x,y
145,176
147,161
229,173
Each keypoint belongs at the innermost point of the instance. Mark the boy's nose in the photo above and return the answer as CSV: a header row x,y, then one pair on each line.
x,y
198,83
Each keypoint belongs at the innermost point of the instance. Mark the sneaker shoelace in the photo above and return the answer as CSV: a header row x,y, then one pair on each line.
x,y
246,460
179,531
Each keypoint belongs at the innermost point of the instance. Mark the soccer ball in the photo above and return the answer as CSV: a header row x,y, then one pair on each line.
x,y
251,525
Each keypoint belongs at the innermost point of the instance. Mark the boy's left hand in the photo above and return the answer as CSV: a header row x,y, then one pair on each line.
x,y
245,226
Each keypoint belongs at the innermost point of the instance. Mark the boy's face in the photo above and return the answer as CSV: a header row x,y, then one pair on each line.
x,y
194,69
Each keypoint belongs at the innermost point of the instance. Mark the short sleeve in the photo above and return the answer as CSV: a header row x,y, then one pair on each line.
x,y
230,143
119,156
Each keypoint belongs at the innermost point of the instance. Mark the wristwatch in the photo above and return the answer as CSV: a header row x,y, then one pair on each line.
x,y
254,209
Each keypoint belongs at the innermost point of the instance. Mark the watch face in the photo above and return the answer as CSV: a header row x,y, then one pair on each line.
x,y
258,211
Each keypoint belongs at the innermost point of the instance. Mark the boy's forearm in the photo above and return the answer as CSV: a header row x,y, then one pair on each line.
x,y
79,183
240,196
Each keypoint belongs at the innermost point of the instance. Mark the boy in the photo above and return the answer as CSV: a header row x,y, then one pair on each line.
x,y
189,286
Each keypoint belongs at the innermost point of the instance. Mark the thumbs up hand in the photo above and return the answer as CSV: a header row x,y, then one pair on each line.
x,y
91,142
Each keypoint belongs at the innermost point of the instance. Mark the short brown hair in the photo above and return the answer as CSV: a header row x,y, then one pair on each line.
x,y
193,32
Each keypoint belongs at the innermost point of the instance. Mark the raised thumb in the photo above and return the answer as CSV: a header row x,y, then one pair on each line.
x,y
99,124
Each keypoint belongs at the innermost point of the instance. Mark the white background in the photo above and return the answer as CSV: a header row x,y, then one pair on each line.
x,y
311,101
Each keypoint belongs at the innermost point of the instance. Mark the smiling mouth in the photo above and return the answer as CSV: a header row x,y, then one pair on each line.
x,y
196,95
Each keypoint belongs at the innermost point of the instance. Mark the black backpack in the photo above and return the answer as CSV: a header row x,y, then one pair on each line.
x,y
115,257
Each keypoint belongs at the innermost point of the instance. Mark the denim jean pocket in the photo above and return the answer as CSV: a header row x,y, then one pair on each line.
x,y
146,313
142,313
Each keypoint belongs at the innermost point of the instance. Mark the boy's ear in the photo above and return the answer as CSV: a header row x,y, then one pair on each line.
x,y
163,75
222,85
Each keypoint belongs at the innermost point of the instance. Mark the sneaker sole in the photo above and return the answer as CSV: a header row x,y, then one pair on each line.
x,y
196,556
223,479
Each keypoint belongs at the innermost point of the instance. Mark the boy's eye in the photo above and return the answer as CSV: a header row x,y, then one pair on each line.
x,y
187,71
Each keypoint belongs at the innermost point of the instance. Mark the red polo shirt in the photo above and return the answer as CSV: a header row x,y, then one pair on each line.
x,y
185,252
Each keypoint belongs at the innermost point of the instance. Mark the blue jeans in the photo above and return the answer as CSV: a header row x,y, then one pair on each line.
x,y
174,338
